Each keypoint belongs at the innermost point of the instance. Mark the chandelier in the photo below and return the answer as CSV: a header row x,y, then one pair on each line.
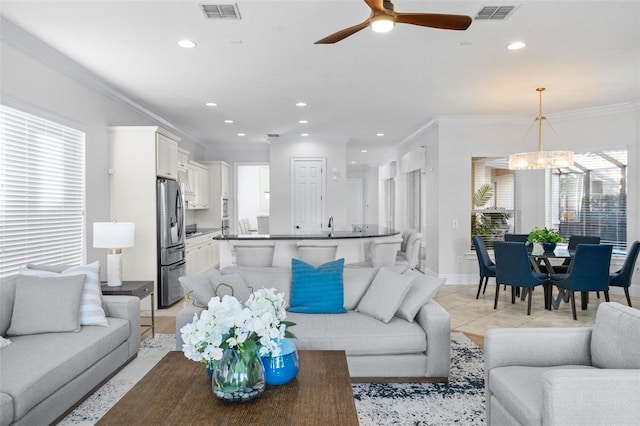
x,y
540,159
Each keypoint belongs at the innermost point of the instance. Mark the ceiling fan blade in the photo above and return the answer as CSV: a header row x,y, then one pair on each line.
x,y
435,20
375,4
341,35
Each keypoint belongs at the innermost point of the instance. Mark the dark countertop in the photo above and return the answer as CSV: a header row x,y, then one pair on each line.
x,y
203,231
368,231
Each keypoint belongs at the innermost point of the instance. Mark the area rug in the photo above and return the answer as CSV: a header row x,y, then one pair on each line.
x,y
458,402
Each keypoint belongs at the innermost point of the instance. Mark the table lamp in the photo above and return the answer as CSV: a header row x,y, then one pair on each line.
x,y
114,236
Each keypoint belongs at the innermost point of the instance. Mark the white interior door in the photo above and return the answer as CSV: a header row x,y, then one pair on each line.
x,y
308,194
354,201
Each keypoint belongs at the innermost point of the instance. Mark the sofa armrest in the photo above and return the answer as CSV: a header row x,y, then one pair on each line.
x,y
591,396
184,317
436,322
128,308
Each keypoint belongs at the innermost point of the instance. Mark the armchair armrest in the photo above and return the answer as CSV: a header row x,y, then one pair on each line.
x,y
591,396
537,347
436,322
128,308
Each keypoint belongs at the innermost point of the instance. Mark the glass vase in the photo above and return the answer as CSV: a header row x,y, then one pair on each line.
x,y
238,376
283,368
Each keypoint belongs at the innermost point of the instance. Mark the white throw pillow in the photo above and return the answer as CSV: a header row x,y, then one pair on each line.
x,y
424,287
235,281
4,342
385,294
356,281
91,312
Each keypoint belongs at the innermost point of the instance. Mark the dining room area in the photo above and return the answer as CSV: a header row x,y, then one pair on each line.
x,y
525,284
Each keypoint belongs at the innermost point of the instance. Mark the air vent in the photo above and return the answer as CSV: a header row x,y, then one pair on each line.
x,y
221,11
494,12
273,135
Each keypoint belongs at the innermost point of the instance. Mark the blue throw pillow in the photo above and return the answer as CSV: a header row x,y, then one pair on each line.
x,y
317,290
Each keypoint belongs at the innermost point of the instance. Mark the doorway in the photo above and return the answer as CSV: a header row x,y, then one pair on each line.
x,y
253,197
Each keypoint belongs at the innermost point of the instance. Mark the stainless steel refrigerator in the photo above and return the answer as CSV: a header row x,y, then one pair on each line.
x,y
171,249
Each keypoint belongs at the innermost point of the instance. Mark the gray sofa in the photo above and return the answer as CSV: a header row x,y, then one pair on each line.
x,y
566,376
399,348
43,375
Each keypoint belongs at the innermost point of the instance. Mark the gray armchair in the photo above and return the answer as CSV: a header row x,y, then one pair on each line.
x,y
566,376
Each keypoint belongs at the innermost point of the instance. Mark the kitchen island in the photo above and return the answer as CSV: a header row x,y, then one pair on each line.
x,y
352,245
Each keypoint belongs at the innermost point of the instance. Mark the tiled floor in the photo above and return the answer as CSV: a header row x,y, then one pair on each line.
x,y
473,316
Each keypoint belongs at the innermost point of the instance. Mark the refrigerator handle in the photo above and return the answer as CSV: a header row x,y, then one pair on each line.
x,y
180,213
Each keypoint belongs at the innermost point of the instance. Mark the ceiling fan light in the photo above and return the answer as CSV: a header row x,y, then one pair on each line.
x,y
382,24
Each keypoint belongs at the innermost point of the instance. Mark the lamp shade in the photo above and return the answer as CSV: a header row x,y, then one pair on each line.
x,y
113,234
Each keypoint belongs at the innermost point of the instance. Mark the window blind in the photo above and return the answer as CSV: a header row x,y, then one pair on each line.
x,y
42,199
590,198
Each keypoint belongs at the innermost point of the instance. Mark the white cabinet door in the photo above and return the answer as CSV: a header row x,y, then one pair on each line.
x,y
224,180
166,157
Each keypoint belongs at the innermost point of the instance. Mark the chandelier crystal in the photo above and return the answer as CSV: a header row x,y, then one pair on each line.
x,y
540,159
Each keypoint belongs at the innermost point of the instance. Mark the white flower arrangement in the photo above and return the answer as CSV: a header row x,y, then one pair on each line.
x,y
227,324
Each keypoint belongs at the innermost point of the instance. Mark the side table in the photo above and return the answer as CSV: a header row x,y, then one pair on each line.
x,y
141,289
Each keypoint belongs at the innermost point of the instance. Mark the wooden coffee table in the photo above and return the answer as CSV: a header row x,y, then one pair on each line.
x,y
177,391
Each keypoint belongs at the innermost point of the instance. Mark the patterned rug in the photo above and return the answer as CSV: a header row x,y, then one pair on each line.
x,y
459,402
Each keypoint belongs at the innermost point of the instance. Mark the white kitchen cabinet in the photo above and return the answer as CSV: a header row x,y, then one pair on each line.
x,y
183,176
198,177
166,157
218,189
202,253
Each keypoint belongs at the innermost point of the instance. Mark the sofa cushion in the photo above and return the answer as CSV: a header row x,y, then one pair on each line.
x,y
35,366
424,287
615,340
356,281
519,390
7,295
46,305
317,290
357,334
91,310
267,277
202,287
385,294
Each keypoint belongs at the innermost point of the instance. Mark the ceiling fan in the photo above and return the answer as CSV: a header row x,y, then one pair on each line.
x,y
383,18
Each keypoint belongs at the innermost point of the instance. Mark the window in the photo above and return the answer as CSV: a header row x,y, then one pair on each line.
x,y
41,192
590,198
493,199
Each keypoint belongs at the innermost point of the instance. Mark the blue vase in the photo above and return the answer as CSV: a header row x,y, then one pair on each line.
x,y
283,368
548,247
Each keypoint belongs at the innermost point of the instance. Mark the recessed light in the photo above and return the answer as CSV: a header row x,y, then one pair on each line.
x,y
241,134
465,43
304,134
303,121
364,150
516,45
301,104
211,104
353,162
187,44
379,134
228,121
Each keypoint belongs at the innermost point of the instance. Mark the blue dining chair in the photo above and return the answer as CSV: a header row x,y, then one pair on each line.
x,y
516,238
514,268
589,272
622,278
485,264
574,240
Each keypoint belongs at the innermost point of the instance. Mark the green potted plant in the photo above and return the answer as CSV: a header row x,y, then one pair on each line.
x,y
548,237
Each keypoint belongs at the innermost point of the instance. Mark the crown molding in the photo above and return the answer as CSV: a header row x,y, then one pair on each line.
x,y
27,43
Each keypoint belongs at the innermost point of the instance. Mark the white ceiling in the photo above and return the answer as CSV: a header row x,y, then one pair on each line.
x,y
586,53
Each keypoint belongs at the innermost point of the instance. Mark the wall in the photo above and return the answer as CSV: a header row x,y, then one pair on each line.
x,y
335,204
369,176
41,88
